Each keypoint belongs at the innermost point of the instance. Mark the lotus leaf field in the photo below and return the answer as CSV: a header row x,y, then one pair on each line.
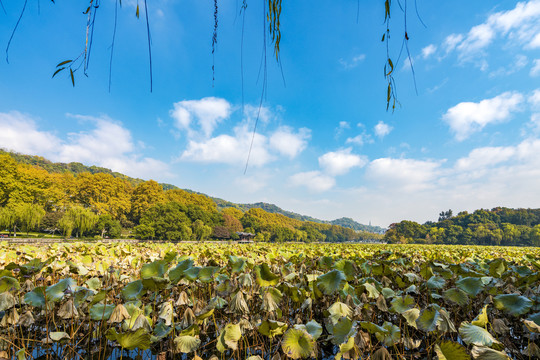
x,y
268,301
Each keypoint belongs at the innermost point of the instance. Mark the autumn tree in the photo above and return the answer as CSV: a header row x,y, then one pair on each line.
x,y
144,196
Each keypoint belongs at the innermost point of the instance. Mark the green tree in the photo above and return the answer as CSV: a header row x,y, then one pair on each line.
x,y
8,219
78,218
107,226
29,215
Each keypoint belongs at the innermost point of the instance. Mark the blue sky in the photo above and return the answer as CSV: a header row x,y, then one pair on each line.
x,y
325,145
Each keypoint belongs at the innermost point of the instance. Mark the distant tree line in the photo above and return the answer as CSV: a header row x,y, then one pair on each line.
x,y
85,204
498,226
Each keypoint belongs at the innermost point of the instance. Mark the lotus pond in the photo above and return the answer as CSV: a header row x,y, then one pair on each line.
x,y
268,301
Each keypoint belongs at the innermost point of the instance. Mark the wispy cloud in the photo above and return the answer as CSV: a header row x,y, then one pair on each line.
x,y
352,62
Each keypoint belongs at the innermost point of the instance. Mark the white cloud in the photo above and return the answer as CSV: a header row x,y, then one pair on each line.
x,y
18,132
288,143
207,113
467,118
406,174
340,162
519,63
485,157
382,129
313,180
227,149
352,63
519,26
534,99
535,70
428,51
107,144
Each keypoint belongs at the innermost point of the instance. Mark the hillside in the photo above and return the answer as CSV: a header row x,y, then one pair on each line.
x,y
78,168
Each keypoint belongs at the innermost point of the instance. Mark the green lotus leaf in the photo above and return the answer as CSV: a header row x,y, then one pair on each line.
x,y
272,328
271,299
7,283
388,293
206,274
482,318
101,312
229,337
218,302
471,285
7,301
130,340
192,330
476,335
192,273
411,290
456,296
313,328
497,267
133,290
486,353
170,256
371,327
58,336
154,269
347,268
341,330
36,297
264,276
523,271
237,264
513,304
326,262
411,316
392,335
161,331
93,284
298,344
155,283
101,295
186,343
176,274
338,310
436,282
57,291
402,303
412,277
372,291
449,350
428,319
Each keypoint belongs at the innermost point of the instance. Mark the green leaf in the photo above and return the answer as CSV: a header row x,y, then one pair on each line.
x,y
456,296
272,328
513,304
206,274
186,343
476,335
428,319
497,267
137,11
130,340
471,285
229,337
449,350
411,316
341,330
313,328
264,276
155,283
72,77
63,63
57,291
436,282
392,335
298,344
101,311
57,71
331,282
237,264
373,293
8,283
338,310
154,269
178,272
401,304
36,297
133,290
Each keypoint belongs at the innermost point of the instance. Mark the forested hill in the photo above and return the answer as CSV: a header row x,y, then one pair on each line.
x,y
498,226
74,168
78,168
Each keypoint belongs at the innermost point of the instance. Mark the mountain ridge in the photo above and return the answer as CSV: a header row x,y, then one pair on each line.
x,y
77,168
